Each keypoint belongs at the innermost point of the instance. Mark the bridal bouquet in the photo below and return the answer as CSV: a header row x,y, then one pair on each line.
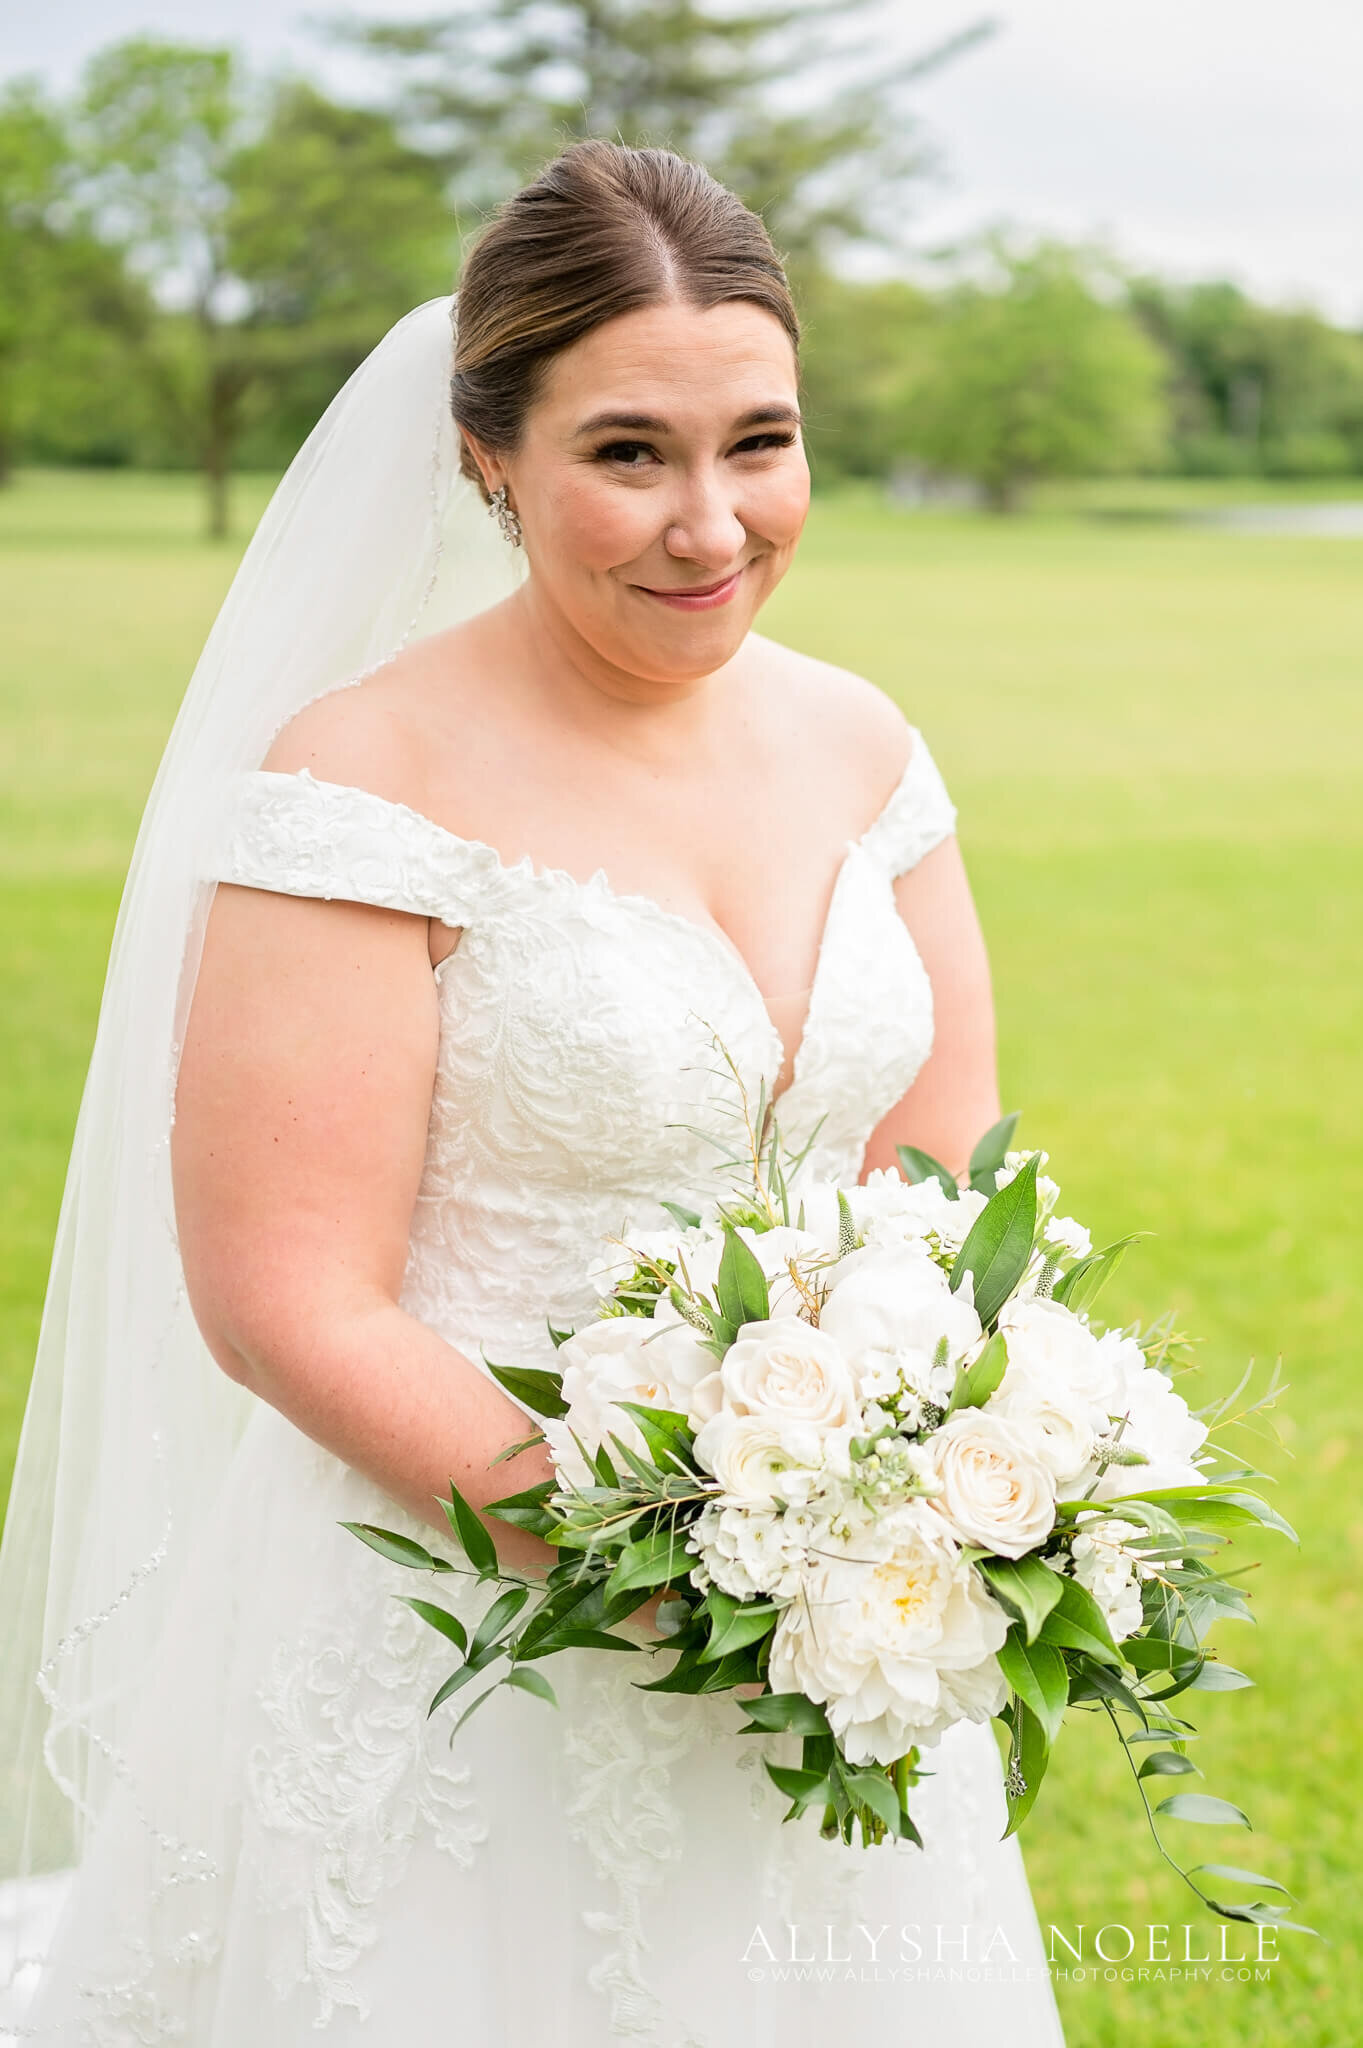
x,y
879,1467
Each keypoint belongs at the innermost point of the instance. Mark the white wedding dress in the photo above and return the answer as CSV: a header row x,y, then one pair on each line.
x,y
313,1861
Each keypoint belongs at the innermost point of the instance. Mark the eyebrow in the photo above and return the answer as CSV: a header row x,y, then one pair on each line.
x,y
775,414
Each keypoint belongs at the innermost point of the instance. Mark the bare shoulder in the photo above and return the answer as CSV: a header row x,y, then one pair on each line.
x,y
374,734
845,722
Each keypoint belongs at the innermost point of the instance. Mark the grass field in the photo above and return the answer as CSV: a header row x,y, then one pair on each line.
x,y
1155,736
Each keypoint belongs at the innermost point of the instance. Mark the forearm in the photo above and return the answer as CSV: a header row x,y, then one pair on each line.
x,y
389,1396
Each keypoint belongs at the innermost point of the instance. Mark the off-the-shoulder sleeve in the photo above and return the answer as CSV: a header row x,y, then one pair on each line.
x,y
918,816
302,837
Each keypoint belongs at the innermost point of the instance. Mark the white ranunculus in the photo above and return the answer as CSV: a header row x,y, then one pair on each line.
x,y
996,1491
897,1638
1157,1422
888,1309
761,1459
617,1359
787,1370
1107,1567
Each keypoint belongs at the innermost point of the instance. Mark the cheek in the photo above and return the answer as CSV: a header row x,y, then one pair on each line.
x,y
780,505
592,526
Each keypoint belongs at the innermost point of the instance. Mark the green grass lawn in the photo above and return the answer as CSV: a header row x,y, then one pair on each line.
x,y
1155,736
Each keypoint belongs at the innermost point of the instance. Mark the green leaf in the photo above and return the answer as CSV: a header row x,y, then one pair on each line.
x,y
477,1543
463,1676
1233,1871
992,1152
1198,1806
1218,1677
689,1219
741,1289
500,1615
558,1338
539,1390
397,1549
874,1789
1082,1284
918,1166
1167,1763
664,1431
786,1710
975,1383
1077,1622
734,1625
1032,1753
532,1681
444,1623
652,1561
999,1245
806,1788
1037,1673
588,1639
1025,1586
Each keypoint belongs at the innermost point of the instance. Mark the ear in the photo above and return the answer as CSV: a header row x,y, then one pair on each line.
x,y
489,466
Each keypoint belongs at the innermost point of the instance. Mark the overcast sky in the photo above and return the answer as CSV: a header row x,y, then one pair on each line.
x,y
1200,136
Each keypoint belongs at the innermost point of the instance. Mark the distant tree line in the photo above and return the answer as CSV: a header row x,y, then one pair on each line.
x,y
193,259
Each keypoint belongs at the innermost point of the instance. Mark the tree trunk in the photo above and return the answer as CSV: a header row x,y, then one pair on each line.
x,y
220,433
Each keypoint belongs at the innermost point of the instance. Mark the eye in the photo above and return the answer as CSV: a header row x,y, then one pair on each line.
x,y
755,444
625,453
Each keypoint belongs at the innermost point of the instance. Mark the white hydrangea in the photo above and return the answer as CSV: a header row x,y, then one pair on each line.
x,y
754,1553
1107,1566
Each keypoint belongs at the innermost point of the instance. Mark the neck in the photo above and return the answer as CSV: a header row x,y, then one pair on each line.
x,y
647,715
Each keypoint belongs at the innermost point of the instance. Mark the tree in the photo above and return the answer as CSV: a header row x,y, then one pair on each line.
x,y
817,135
1033,375
62,295
280,233
1256,388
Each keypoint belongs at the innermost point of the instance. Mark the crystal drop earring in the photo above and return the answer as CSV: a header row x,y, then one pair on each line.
x,y
505,516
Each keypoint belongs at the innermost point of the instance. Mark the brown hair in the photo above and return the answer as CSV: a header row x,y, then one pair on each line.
x,y
603,230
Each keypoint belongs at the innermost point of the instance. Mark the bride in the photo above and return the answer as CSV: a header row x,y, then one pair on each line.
x,y
474,838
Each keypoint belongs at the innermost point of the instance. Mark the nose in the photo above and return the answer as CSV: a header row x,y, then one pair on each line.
x,y
705,526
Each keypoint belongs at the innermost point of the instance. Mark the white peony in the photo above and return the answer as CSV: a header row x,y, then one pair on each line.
x,y
787,1369
1058,1388
889,1308
897,1638
1158,1422
995,1489
619,1358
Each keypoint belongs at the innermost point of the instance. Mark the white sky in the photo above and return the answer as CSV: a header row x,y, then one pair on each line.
x,y
1199,136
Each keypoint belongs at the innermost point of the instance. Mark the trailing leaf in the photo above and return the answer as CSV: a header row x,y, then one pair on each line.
x,y
919,1166
999,1245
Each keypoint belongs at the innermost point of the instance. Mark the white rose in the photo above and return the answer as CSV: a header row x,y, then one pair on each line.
x,y
995,1492
607,1362
785,1369
896,1640
1047,1341
893,1306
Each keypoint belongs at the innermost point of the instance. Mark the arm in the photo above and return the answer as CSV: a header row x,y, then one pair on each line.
x,y
301,1116
954,1098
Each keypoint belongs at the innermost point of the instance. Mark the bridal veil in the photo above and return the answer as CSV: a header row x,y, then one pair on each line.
x,y
130,1426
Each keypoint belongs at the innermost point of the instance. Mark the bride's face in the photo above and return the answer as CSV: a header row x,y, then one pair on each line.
x,y
661,484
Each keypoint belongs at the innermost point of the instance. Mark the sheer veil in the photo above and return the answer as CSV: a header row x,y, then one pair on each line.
x,y
130,1426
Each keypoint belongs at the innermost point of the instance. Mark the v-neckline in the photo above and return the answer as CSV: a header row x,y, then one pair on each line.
x,y
640,902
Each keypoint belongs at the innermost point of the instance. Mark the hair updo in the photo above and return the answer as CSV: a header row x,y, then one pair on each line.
x,y
602,230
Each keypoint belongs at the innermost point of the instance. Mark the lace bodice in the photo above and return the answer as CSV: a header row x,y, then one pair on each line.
x,y
578,1079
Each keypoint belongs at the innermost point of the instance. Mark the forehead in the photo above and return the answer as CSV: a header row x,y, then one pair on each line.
x,y
676,361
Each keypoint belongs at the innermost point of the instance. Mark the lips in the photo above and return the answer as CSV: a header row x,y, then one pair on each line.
x,y
698,597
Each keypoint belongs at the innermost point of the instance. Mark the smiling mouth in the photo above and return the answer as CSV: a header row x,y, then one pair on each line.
x,y
698,597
